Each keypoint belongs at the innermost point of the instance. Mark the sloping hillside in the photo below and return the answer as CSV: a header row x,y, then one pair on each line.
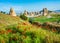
x,y
19,31
8,20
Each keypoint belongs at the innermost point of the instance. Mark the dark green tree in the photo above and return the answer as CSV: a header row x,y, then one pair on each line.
x,y
22,16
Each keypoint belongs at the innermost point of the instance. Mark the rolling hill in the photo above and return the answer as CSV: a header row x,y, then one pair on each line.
x,y
16,30
8,20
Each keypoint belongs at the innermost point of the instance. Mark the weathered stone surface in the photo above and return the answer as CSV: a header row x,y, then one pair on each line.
x,y
45,12
26,13
32,13
12,12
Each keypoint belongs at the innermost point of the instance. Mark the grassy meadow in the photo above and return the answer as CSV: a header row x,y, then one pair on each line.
x,y
43,19
16,30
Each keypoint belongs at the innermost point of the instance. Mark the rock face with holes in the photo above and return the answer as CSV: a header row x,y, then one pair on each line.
x,y
12,12
45,12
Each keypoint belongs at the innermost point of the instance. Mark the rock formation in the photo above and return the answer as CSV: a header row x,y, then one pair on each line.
x,y
45,12
32,13
26,13
12,12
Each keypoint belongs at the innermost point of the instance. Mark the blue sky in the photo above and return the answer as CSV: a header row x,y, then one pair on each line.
x,y
29,5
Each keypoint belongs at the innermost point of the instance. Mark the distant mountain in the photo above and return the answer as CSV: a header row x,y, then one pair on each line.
x,y
57,10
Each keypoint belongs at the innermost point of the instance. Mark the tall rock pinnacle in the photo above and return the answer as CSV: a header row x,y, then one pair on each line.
x,y
12,12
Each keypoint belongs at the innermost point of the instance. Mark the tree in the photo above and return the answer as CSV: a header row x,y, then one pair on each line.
x,y
22,16
3,12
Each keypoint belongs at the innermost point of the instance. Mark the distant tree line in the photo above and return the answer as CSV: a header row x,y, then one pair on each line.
x,y
3,12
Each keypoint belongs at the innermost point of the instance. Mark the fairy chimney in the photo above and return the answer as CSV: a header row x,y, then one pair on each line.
x,y
12,12
45,12
25,12
32,13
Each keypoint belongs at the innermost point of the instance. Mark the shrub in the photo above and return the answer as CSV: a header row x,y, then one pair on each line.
x,y
23,17
31,20
23,35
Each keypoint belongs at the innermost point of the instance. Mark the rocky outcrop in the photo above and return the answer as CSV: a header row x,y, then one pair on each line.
x,y
26,13
12,12
45,12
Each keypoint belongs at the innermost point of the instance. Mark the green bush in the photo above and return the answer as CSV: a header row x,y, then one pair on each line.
x,y
23,17
31,20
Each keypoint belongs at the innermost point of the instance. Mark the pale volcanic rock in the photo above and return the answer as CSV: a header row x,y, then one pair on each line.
x,y
45,12
12,12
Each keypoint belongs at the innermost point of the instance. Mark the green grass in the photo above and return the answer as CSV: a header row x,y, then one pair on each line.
x,y
43,19
6,20
19,31
22,34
